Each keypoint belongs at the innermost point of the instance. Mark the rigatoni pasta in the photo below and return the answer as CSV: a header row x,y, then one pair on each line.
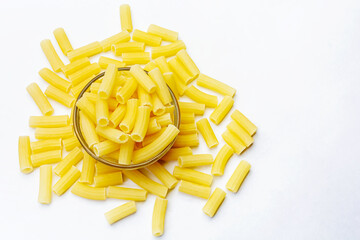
x,y
128,122
142,78
215,85
162,89
127,47
59,96
86,191
126,152
48,157
201,97
39,98
214,202
165,34
105,61
45,183
108,179
141,124
125,18
49,121
63,40
194,189
158,218
233,141
221,160
163,175
188,63
192,175
48,133
108,82
167,50
195,160
66,181
45,145
70,143
146,38
85,51
75,66
51,55
120,212
238,176
123,36
55,80
131,58
207,132
70,160
174,153
24,154
245,123
88,170
126,193
221,110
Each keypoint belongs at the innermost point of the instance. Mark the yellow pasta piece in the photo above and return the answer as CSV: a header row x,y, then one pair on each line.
x,y
189,64
44,196
146,38
207,132
108,82
24,154
174,153
75,91
47,133
102,112
105,61
88,170
62,40
84,74
221,160
59,96
194,176
163,175
150,138
164,119
39,98
201,97
85,51
131,58
222,110
179,69
51,55
48,157
167,50
236,129
214,202
71,143
188,140
49,121
66,181
108,179
75,66
144,97
165,34
73,158
112,134
143,79
126,152
103,168
123,36
180,85
46,145
233,141
141,124
125,92
116,116
85,191
105,147
158,107
146,183
215,85
187,128
127,47
162,64
170,81
245,123
195,160
112,103
128,122
125,18
153,127
158,218
120,212
194,189
54,79
191,107
150,66
238,176
87,108
162,89
88,130
156,146
126,193
186,118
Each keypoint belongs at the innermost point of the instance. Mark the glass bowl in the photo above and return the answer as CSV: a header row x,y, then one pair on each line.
x,y
112,162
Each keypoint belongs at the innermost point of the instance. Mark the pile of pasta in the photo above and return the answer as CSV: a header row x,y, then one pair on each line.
x,y
128,116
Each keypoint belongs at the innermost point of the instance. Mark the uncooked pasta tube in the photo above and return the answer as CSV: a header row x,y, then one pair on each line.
x,y
125,18
126,193
87,108
24,154
84,74
194,189
158,218
187,128
162,89
131,58
174,153
48,133
85,191
221,160
214,202
117,115
70,143
66,181
102,112
55,80
105,147
178,68
189,64
126,91
59,96
236,129
201,97
141,124
238,176
51,55
105,61
88,130
191,107
207,132
167,50
165,34
187,140
75,66
46,145
108,179
163,175
126,152
233,142
245,123
144,97
158,106
85,51
74,157
45,184
215,85
88,170
49,121
112,134
170,81
127,47
186,118
120,212
128,122
194,176
108,82
221,110
43,158
39,98
106,44
63,40
143,79
195,160
146,38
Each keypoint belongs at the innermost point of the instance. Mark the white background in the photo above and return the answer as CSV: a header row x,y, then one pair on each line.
x,y
295,65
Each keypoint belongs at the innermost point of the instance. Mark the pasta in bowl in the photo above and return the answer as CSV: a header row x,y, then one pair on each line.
x,y
127,127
